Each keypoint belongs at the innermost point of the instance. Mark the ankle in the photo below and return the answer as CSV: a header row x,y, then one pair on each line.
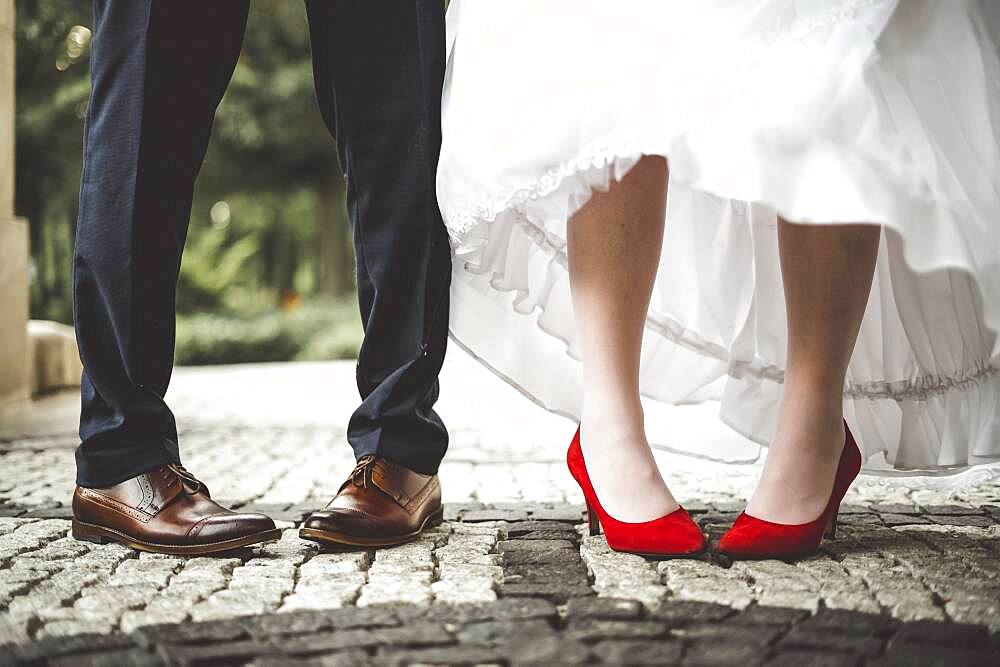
x,y
818,384
608,426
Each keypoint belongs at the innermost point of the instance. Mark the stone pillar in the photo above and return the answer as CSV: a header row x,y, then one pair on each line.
x,y
6,110
13,233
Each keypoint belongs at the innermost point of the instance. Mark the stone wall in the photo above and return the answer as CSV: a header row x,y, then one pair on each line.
x,y
13,233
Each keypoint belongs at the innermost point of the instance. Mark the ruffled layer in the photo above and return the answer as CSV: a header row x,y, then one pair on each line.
x,y
870,134
935,421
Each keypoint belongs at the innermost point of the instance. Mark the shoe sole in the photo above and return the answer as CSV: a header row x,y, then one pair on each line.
x,y
337,539
787,558
89,532
662,556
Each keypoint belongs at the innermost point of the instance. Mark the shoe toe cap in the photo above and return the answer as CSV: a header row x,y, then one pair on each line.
x,y
340,521
232,526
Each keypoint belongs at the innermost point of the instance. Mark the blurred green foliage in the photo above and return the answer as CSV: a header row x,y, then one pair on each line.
x,y
319,329
268,232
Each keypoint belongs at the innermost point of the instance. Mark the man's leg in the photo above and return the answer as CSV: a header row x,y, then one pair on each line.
x,y
379,71
158,71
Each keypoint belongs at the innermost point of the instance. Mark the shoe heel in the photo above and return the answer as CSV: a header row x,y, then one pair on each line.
x,y
435,519
593,522
83,534
831,527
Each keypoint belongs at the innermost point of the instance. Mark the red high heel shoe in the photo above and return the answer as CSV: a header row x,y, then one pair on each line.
x,y
674,534
750,537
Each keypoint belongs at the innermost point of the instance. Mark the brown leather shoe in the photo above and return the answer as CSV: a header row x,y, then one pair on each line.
x,y
380,505
165,511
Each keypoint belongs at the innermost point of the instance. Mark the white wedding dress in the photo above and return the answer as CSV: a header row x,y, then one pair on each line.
x,y
882,111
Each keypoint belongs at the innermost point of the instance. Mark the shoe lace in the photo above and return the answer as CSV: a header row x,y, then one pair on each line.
x,y
363,469
192,484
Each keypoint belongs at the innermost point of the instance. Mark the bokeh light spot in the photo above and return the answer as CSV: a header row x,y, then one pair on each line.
x,y
220,214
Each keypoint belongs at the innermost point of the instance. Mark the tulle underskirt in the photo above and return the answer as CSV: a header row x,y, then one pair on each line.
x,y
866,111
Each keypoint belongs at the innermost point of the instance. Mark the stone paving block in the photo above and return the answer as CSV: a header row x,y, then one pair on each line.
x,y
500,632
74,627
505,609
544,572
498,529
953,509
975,520
705,582
454,511
798,657
850,623
603,608
228,604
895,508
451,655
338,659
122,658
638,652
650,596
418,571
677,613
337,640
473,516
984,609
760,635
909,602
858,519
766,615
554,591
46,649
900,654
14,630
722,652
417,633
564,512
133,620
534,551
325,593
215,654
397,591
893,520
470,571
824,641
341,587
189,591
518,529
370,617
837,588
547,650
460,592
335,598
592,629
957,634
227,630
326,564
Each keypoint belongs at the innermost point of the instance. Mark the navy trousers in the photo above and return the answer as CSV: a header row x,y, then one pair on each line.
x,y
159,69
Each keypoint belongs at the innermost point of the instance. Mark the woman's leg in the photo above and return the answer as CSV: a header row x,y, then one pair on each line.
x,y
827,272
614,249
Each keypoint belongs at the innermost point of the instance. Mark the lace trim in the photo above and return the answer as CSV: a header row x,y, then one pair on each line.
x,y
598,155
801,27
919,388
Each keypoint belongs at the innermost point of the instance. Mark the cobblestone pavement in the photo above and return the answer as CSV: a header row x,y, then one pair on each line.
x,y
913,577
